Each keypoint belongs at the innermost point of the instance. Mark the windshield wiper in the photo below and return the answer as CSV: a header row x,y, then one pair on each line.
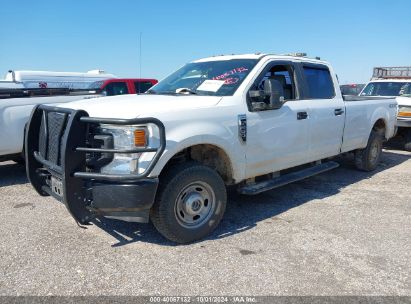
x,y
151,92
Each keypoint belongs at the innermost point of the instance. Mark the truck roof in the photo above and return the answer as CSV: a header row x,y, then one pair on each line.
x,y
296,56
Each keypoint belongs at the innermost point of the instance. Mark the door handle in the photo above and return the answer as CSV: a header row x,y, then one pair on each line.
x,y
338,112
302,115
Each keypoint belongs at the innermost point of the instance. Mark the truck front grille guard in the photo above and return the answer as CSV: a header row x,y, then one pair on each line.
x,y
77,118
69,161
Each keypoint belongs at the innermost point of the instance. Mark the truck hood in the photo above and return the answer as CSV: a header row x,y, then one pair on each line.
x,y
404,101
132,106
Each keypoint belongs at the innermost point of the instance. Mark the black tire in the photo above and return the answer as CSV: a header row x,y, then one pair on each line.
x,y
407,138
367,159
178,198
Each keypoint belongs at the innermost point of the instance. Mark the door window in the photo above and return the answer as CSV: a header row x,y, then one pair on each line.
x,y
320,83
282,73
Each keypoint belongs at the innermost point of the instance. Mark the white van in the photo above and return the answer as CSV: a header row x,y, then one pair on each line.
x,y
47,79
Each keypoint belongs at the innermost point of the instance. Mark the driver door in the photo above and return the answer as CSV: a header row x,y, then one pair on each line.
x,y
278,138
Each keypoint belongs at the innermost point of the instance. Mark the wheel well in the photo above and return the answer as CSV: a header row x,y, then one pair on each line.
x,y
208,155
379,127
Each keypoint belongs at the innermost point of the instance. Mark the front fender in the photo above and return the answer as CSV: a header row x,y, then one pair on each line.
x,y
188,135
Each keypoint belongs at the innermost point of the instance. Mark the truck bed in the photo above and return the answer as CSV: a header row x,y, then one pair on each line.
x,y
361,111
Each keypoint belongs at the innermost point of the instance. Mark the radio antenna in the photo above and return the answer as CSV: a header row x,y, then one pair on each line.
x,y
141,34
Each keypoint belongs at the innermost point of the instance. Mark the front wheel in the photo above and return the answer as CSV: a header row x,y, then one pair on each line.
x,y
190,202
367,159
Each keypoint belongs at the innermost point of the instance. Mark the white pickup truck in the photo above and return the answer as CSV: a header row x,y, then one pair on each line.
x,y
253,121
394,82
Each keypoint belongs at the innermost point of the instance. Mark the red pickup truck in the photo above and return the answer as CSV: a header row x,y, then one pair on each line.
x,y
120,86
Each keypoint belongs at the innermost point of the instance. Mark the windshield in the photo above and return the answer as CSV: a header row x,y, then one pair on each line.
x,y
217,78
387,89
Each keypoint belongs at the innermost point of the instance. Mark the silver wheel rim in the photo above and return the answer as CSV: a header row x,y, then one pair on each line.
x,y
195,205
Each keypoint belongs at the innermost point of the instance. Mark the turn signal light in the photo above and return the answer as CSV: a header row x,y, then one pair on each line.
x,y
140,139
404,114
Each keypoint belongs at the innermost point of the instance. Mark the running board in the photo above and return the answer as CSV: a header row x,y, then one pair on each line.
x,y
276,182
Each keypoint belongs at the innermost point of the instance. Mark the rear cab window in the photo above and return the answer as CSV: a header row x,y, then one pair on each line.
x,y
142,86
116,88
319,82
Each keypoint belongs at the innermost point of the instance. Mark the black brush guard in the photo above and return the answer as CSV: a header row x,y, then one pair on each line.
x,y
63,157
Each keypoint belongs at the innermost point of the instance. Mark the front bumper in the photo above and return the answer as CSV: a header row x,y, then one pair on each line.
x,y
131,201
56,147
403,122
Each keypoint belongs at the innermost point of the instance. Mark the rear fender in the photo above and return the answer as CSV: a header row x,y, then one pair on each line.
x,y
386,116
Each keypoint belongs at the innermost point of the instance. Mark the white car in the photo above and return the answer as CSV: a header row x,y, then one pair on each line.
x,y
253,121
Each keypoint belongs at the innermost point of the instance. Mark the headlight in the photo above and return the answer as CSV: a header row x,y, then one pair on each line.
x,y
404,111
125,137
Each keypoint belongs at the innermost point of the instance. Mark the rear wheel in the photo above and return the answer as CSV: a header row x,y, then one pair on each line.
x,y
190,202
367,159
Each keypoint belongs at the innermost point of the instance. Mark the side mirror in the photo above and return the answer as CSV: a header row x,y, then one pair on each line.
x,y
273,90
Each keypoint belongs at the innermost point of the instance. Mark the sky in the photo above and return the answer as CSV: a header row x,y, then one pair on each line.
x,y
78,36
